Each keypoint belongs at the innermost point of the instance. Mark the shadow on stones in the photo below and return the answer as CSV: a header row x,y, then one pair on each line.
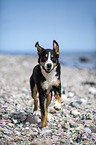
x,y
23,117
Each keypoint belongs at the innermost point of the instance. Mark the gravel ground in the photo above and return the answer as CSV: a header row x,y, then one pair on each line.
x,y
74,124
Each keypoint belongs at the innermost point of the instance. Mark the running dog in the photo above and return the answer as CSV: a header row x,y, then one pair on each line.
x,y
45,79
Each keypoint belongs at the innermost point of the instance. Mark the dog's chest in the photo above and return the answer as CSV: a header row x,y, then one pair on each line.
x,y
51,80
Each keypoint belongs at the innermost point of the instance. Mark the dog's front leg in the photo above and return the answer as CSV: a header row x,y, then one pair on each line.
x,y
57,91
42,99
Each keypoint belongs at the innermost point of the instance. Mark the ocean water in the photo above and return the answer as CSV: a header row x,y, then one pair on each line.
x,y
79,60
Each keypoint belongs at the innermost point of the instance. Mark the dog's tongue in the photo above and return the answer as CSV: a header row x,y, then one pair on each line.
x,y
48,70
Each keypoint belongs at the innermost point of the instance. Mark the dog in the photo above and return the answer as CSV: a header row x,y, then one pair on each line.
x,y
45,79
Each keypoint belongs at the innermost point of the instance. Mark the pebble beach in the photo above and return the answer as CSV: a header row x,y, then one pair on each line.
x,y
74,123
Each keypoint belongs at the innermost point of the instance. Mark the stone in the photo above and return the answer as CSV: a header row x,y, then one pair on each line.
x,y
65,126
92,90
93,128
84,101
52,110
14,121
74,104
74,112
72,124
42,142
63,97
0,116
46,130
17,132
87,130
70,94
31,119
20,116
50,117
78,137
87,116
8,131
88,122
79,102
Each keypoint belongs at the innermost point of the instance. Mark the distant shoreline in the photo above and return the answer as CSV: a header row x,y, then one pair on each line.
x,y
78,60
35,53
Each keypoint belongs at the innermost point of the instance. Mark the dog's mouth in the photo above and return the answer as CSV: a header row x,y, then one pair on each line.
x,y
48,70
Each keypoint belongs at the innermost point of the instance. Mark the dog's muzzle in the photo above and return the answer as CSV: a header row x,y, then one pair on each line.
x,y
48,67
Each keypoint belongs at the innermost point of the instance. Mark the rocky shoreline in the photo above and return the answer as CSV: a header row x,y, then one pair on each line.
x,y
74,124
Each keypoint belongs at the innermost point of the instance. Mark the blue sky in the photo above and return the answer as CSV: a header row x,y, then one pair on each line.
x,y
72,23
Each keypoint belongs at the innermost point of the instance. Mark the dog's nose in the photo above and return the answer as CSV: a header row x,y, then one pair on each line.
x,y
49,65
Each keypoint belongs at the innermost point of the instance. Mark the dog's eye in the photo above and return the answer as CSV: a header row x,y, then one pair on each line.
x,y
53,59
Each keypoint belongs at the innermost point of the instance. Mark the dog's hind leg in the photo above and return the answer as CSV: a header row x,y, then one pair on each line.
x,y
33,87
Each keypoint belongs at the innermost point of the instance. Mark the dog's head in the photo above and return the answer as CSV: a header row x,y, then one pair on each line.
x,y
48,58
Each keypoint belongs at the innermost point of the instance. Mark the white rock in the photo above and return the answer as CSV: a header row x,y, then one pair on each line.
x,y
44,130
92,90
50,117
63,97
17,132
83,101
7,131
87,130
74,112
70,94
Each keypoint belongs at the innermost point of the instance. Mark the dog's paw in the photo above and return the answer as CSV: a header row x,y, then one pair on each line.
x,y
57,105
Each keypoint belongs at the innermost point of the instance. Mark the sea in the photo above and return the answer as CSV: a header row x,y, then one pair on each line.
x,y
79,59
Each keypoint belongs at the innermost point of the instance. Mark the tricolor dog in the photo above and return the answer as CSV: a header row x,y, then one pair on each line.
x,y
45,79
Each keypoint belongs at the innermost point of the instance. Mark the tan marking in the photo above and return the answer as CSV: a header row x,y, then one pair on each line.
x,y
52,56
57,97
46,55
39,48
54,64
58,53
43,86
48,100
34,95
58,82
56,48
42,63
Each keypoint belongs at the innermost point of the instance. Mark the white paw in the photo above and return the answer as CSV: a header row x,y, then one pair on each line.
x,y
57,105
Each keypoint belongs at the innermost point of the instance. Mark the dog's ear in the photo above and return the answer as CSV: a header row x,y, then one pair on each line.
x,y
39,48
56,47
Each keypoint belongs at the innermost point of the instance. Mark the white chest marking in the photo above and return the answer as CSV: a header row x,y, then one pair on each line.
x,y
51,79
